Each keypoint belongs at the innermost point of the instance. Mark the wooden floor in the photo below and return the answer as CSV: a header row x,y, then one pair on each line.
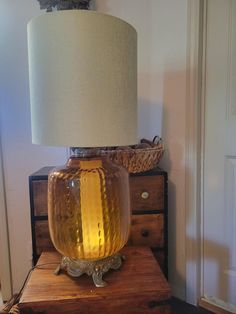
x,y
180,307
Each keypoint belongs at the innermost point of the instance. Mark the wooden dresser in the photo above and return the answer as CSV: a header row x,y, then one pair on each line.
x,y
149,213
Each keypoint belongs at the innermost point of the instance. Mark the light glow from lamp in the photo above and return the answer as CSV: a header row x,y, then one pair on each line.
x,y
89,213
92,219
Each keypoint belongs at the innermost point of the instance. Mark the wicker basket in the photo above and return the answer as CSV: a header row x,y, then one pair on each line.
x,y
136,159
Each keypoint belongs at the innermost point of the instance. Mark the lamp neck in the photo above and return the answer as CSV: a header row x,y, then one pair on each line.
x,y
86,151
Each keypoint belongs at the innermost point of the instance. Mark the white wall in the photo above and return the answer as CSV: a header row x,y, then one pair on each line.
x,y
5,272
20,157
162,31
162,54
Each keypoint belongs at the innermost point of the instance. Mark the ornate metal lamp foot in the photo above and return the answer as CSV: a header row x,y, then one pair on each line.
x,y
96,269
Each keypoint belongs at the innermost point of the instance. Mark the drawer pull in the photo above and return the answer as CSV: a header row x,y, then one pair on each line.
x,y
145,233
145,195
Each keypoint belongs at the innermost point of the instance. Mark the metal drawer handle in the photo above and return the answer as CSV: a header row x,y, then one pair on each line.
x,y
145,195
145,233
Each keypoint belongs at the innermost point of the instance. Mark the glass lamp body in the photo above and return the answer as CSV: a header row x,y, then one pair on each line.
x,y
89,208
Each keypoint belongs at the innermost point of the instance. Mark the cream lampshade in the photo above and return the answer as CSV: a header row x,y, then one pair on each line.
x,y
83,93
83,79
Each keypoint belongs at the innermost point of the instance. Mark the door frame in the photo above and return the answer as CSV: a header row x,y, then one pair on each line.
x,y
194,149
5,266
217,306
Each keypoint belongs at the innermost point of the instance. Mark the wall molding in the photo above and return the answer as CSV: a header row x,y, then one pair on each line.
x,y
193,155
5,268
216,306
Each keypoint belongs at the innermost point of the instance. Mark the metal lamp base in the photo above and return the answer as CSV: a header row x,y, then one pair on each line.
x,y
96,269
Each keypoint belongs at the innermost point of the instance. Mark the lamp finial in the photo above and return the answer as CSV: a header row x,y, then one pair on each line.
x,y
64,4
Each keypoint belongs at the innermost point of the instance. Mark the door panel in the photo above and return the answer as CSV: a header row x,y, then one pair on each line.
x,y
230,223
219,191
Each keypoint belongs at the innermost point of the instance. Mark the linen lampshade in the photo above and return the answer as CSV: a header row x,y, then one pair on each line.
x,y
83,79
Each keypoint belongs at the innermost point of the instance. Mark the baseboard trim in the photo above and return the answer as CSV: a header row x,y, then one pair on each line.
x,y
214,307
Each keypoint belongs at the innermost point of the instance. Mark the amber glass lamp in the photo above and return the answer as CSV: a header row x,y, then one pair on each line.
x,y
83,93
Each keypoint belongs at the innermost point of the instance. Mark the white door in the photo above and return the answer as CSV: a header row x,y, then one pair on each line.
x,y
219,179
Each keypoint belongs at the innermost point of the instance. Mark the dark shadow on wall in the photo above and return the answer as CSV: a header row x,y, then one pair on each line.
x,y
149,119
105,4
218,256
173,134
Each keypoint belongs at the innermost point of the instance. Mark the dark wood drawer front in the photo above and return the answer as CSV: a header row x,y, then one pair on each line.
x,y
147,230
40,199
43,240
147,193
160,257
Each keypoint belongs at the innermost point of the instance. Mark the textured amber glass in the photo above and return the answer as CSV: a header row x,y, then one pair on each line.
x,y
88,207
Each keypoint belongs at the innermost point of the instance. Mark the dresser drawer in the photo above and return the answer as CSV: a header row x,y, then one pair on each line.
x,y
42,237
147,230
40,199
147,193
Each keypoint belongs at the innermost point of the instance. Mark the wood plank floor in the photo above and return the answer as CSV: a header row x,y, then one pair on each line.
x,y
180,307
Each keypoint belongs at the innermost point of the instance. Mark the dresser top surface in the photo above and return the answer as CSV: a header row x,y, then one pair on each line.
x,y
140,274
43,172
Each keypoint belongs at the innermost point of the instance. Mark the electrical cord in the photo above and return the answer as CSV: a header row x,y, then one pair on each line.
x,y
10,306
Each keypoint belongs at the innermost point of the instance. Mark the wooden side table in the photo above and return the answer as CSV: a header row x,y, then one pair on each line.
x,y
138,287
